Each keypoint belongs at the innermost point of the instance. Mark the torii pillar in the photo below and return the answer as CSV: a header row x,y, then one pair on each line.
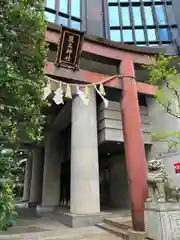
x,y
134,144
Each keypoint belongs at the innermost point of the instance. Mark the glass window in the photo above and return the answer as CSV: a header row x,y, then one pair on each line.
x,y
113,16
164,34
115,35
127,36
137,16
63,6
151,35
50,4
160,15
62,20
125,16
149,16
141,45
50,17
75,25
170,14
75,8
139,33
153,45
63,15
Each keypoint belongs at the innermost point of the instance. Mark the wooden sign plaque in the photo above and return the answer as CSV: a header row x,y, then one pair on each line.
x,y
69,48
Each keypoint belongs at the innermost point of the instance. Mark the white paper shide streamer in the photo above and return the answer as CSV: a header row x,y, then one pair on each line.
x,y
81,91
58,96
82,96
106,102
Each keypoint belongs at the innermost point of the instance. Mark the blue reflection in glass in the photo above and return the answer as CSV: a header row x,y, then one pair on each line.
x,y
50,4
148,15
127,35
50,17
62,20
115,35
113,16
139,33
160,15
75,8
125,16
151,33
63,6
75,25
137,16
164,34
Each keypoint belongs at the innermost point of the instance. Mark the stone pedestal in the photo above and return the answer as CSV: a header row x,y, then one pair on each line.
x,y
79,220
162,221
134,235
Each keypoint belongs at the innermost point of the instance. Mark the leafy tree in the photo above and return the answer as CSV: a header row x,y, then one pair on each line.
x,y
7,201
164,72
22,80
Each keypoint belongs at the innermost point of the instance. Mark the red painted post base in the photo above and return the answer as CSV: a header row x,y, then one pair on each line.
x,y
134,145
138,219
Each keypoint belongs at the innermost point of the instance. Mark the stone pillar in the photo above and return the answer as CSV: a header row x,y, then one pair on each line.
x,y
27,179
51,177
134,145
84,158
37,177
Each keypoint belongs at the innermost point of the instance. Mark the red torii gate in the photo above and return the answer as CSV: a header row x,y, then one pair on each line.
x,y
133,137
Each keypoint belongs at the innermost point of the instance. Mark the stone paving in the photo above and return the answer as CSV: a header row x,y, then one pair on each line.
x,y
31,227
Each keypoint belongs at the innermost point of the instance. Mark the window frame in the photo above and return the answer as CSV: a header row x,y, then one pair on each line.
x,y
142,4
67,15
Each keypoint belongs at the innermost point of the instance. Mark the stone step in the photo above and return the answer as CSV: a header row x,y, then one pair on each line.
x,y
125,223
123,233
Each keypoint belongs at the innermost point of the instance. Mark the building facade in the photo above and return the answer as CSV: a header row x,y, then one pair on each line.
x,y
140,22
94,157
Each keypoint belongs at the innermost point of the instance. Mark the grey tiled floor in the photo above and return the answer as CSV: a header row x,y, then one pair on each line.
x,y
31,227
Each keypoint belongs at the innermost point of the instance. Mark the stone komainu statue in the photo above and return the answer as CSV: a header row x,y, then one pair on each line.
x,y
160,188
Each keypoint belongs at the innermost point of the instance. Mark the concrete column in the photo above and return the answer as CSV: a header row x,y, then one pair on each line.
x,y
27,179
37,177
51,177
84,158
134,145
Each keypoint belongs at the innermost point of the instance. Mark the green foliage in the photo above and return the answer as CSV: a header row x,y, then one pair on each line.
x,y
164,72
160,69
7,202
22,57
7,205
